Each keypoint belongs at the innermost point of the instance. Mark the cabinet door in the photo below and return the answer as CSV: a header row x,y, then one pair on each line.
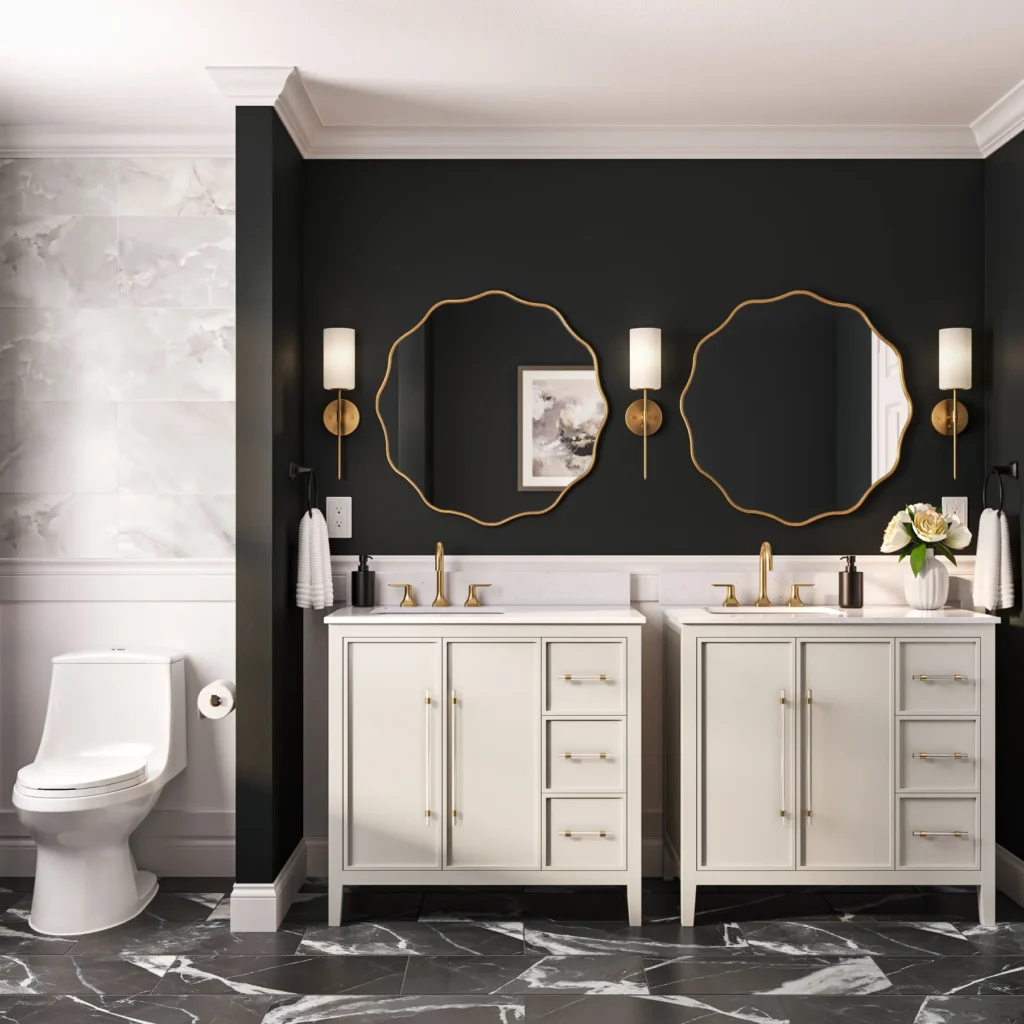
x,y
746,755
846,754
393,754
494,762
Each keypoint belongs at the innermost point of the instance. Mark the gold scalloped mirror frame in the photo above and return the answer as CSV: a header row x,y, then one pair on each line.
x,y
387,440
829,302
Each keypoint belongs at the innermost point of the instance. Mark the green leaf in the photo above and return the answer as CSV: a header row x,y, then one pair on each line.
x,y
943,549
903,554
917,557
909,529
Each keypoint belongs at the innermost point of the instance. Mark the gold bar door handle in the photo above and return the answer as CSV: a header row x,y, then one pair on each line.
x,y
807,773
782,754
426,756
956,834
598,834
455,757
601,678
582,757
934,757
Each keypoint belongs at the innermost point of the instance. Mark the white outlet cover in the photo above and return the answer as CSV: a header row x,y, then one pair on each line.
x,y
955,506
339,518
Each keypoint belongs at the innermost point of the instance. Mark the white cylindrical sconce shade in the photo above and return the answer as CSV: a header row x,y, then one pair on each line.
x,y
339,358
645,358
955,358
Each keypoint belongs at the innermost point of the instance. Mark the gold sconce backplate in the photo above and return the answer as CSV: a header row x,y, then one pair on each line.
x,y
635,417
349,417
942,417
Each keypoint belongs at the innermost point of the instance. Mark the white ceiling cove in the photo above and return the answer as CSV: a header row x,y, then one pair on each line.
x,y
528,77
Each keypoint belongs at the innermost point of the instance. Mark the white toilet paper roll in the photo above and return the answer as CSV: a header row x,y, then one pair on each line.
x,y
217,699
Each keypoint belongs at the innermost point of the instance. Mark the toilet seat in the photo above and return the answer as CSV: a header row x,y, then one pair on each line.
x,y
81,776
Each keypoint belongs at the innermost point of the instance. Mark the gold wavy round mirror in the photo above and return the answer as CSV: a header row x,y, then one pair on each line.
x,y
491,407
796,407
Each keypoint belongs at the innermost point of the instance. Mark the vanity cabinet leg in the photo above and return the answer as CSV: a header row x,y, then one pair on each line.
x,y
634,902
987,903
687,898
335,895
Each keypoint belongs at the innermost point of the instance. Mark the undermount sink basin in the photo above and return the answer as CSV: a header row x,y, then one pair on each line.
x,y
808,609
426,609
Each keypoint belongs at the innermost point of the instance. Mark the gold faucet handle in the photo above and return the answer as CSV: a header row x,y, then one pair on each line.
x,y
408,601
794,595
730,595
472,601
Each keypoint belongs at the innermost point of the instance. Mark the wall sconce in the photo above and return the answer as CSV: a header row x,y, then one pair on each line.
x,y
643,416
949,416
341,416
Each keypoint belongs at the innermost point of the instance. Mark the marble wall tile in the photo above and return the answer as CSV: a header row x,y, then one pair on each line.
x,y
176,261
176,526
175,186
58,447
60,261
54,185
58,526
176,447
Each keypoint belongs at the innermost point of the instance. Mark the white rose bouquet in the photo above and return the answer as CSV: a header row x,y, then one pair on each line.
x,y
915,530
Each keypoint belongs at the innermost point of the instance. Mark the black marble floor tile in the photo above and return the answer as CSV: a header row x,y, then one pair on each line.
x,y
17,883
954,975
415,938
655,884
760,905
142,936
1007,937
314,883
357,905
17,937
723,1009
205,883
971,1010
842,938
660,907
285,975
607,903
182,906
655,940
92,1009
509,975
45,974
766,975
904,906
421,1009
469,905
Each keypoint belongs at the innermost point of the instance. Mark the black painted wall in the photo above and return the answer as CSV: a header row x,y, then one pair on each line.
x,y
268,779
1004,323
616,244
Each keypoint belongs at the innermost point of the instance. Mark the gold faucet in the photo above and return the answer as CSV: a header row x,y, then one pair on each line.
x,y
762,576
440,601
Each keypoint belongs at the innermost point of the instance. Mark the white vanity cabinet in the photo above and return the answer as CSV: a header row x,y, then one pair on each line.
x,y
484,748
847,750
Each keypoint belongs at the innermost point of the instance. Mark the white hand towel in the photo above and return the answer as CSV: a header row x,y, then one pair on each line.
x,y
325,554
316,564
303,591
986,563
1006,589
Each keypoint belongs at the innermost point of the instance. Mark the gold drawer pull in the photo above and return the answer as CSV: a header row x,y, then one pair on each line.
x,y
578,757
932,757
955,678
957,834
600,834
602,678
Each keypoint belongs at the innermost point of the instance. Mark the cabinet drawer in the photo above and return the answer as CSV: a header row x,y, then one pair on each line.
x,y
586,756
938,816
586,832
938,678
586,678
938,754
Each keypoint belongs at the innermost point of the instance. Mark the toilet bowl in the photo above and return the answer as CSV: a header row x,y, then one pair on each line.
x,y
114,736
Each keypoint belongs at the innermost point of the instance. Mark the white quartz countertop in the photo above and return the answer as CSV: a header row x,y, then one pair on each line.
x,y
511,615
879,615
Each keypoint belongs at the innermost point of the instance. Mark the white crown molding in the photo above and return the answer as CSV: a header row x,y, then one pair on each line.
x,y
1001,122
251,86
35,140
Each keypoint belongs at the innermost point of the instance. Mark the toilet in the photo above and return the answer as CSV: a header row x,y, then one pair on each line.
x,y
114,736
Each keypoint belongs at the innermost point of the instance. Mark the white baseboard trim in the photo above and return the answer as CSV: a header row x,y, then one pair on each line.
x,y
260,907
1010,874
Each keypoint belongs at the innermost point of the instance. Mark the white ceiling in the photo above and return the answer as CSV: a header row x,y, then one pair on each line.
x,y
514,63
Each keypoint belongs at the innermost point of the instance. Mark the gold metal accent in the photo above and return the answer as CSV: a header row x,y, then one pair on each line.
x,y
387,440
586,679
956,833
408,601
349,420
472,601
578,757
949,417
600,833
931,757
765,565
643,417
957,677
693,370
730,595
794,595
440,601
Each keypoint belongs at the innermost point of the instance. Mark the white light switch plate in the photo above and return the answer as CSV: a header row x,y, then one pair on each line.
x,y
339,518
956,506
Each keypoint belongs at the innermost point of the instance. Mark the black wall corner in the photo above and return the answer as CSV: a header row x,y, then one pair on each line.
x,y
268,629
1004,338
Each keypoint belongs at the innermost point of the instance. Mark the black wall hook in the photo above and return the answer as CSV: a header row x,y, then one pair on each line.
x,y
294,470
1011,469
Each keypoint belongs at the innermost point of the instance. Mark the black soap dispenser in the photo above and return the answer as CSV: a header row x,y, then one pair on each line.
x,y
363,585
851,584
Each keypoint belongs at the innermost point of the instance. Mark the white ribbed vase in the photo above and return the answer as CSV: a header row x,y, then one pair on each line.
x,y
929,589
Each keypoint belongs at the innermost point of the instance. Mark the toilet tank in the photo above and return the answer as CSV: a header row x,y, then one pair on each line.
x,y
118,701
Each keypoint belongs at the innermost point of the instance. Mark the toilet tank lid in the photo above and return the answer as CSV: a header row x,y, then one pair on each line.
x,y
120,656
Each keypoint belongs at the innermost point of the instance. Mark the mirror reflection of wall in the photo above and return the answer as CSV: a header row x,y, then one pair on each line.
x,y
492,407
796,407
